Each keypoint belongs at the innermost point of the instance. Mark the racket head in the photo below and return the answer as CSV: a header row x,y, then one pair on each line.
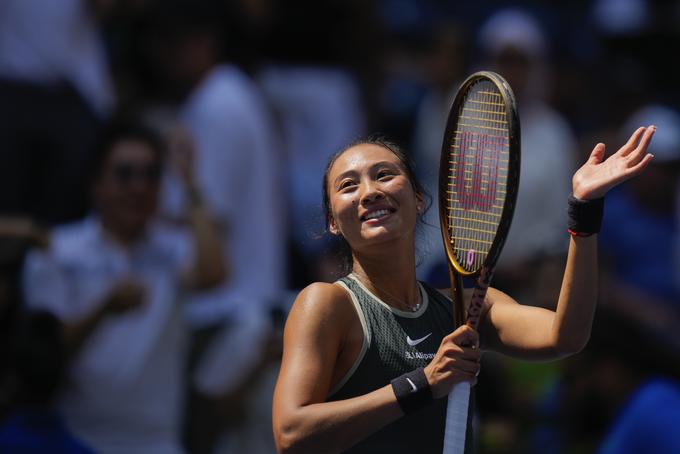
x,y
479,172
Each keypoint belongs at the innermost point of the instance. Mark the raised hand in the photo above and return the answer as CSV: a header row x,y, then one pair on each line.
x,y
126,295
599,175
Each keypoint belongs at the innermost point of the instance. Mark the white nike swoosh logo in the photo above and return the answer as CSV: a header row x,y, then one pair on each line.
x,y
414,342
413,385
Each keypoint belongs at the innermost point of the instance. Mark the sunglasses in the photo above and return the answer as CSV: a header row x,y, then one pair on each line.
x,y
125,173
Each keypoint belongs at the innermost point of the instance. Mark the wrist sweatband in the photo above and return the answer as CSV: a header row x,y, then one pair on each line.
x,y
412,390
585,216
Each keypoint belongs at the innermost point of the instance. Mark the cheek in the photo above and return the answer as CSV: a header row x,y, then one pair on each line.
x,y
344,211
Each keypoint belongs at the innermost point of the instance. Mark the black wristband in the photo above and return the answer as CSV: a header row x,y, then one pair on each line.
x,y
412,390
585,216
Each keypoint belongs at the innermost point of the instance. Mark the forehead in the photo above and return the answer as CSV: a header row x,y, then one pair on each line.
x,y
131,150
361,157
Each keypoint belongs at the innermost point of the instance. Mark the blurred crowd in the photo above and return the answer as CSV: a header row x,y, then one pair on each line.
x,y
160,206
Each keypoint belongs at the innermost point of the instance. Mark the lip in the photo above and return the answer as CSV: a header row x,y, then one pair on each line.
x,y
373,209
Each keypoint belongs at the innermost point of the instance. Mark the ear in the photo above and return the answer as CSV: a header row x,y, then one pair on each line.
x,y
332,226
420,203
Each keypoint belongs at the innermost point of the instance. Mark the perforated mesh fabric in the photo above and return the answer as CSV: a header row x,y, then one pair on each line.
x,y
391,353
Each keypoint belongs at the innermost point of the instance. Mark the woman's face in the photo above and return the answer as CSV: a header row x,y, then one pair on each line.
x,y
372,200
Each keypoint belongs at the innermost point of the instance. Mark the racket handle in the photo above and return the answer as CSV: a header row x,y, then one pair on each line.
x,y
456,419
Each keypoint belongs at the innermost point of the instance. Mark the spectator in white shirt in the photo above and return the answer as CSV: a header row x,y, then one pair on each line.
x,y
115,280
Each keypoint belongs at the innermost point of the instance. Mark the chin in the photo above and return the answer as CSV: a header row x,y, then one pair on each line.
x,y
136,223
380,236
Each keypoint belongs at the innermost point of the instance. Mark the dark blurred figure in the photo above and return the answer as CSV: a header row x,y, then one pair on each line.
x,y
17,235
32,356
445,61
641,234
648,422
238,164
626,366
36,365
115,280
514,44
55,90
313,85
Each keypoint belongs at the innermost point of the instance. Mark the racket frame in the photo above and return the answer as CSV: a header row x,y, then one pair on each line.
x,y
512,118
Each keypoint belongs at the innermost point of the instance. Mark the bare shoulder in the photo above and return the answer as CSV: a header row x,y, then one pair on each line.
x,y
322,303
321,296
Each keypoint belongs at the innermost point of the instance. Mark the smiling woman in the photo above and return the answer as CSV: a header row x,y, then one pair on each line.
x,y
368,358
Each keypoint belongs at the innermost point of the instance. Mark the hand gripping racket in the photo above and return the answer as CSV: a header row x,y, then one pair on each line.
x,y
478,182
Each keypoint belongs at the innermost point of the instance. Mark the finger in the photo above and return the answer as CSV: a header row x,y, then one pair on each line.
x,y
457,352
464,335
597,155
640,166
468,367
632,142
641,150
472,354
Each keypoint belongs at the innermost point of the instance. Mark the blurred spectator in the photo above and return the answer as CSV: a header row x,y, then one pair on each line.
x,y
516,47
648,421
54,91
317,100
36,367
237,159
640,232
16,236
620,16
114,279
445,62
640,226
319,110
626,366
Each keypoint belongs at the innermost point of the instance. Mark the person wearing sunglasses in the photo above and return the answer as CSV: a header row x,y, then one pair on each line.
x,y
115,279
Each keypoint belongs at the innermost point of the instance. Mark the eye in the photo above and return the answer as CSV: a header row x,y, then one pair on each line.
x,y
344,184
384,174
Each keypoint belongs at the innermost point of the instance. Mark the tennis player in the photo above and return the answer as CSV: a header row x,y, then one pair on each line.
x,y
368,358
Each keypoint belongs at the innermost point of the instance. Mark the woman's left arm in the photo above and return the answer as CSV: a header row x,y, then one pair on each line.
x,y
537,333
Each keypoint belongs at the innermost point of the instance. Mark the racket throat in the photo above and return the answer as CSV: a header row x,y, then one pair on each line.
x,y
457,299
478,294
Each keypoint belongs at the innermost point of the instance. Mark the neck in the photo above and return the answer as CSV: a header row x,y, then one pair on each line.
x,y
391,273
120,234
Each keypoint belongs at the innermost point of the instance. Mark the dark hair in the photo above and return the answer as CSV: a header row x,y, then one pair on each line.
x,y
117,130
406,164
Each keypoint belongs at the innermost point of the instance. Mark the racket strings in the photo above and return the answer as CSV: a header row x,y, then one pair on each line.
x,y
479,162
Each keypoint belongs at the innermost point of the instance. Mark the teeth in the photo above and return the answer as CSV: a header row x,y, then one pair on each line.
x,y
376,214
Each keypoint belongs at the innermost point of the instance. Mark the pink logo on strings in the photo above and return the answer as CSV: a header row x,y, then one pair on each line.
x,y
488,149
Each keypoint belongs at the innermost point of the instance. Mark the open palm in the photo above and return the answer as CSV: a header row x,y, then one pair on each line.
x,y
599,175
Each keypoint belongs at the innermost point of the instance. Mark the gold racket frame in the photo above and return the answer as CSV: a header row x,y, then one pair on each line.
x,y
513,167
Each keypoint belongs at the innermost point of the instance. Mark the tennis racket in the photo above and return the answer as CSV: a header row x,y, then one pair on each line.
x,y
478,182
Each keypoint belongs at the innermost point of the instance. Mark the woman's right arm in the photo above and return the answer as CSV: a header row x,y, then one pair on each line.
x,y
314,336
313,339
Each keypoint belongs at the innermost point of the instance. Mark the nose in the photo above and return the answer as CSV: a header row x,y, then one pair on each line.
x,y
370,193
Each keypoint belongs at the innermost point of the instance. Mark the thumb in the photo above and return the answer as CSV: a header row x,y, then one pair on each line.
x,y
464,336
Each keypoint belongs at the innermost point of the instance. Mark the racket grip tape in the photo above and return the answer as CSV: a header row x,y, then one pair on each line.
x,y
456,419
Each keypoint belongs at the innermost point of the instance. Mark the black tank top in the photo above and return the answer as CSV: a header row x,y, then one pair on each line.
x,y
396,342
